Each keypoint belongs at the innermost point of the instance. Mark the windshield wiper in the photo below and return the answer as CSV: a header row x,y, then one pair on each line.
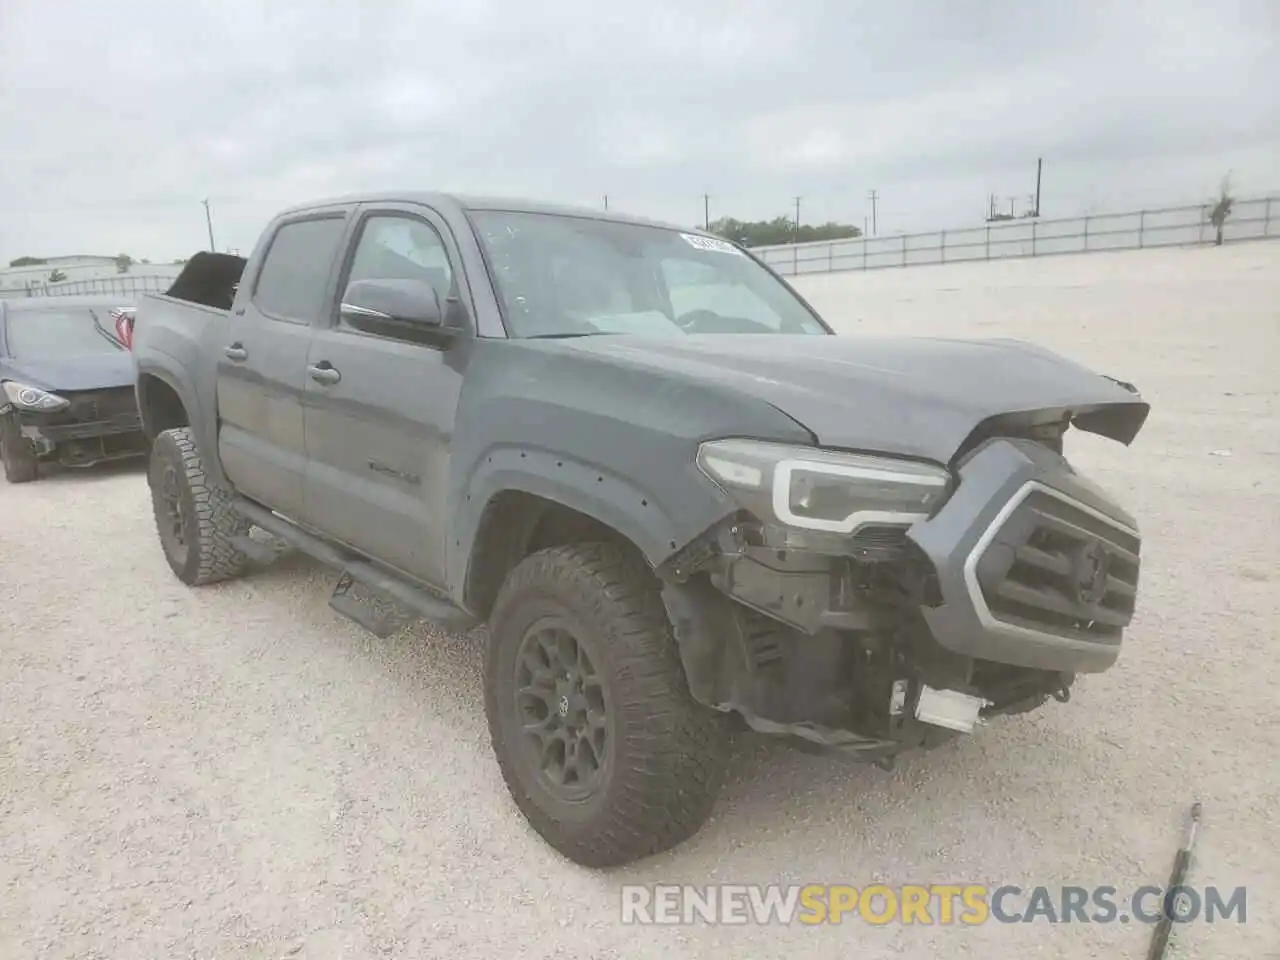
x,y
104,332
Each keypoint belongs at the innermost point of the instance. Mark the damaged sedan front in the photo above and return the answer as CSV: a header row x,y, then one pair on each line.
x,y
66,393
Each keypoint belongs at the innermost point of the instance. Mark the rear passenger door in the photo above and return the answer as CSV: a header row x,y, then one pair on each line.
x,y
262,367
380,422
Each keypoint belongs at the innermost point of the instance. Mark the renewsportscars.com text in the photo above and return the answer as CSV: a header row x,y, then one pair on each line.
x,y
945,904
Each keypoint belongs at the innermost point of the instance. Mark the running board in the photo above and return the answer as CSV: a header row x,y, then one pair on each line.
x,y
382,623
388,586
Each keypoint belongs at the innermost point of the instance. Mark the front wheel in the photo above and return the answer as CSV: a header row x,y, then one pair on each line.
x,y
602,746
194,518
17,452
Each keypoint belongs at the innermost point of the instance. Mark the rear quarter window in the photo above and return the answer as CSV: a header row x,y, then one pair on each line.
x,y
297,269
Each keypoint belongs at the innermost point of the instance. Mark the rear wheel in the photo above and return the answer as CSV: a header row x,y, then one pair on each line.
x,y
599,741
17,452
194,517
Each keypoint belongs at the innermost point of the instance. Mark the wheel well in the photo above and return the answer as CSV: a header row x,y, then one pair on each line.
x,y
516,524
161,407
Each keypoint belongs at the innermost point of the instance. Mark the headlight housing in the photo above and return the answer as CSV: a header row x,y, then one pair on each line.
x,y
26,397
824,492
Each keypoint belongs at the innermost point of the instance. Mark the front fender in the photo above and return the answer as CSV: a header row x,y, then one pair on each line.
x,y
617,501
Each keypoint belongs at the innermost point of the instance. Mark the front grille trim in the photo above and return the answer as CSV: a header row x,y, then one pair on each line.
x,y
974,588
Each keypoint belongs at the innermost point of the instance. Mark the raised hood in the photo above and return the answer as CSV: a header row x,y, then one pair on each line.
x,y
917,397
93,372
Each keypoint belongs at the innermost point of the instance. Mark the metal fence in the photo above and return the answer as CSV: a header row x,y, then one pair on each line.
x,y
124,286
1252,219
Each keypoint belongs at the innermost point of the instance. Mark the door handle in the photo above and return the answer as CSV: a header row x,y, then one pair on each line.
x,y
236,352
323,372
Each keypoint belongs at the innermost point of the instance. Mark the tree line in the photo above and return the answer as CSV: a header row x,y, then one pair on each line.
x,y
763,233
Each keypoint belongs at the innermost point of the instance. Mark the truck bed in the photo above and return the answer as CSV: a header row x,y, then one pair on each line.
x,y
174,343
168,326
208,279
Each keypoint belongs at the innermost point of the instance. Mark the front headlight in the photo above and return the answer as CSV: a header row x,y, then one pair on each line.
x,y
32,398
822,490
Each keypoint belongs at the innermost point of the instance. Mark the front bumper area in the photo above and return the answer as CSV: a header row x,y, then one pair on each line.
x,y
1035,566
1024,578
98,426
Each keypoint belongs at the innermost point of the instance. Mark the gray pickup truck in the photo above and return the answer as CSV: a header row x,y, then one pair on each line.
x,y
681,503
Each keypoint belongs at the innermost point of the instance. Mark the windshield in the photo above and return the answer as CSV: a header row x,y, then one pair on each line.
x,y
560,276
59,332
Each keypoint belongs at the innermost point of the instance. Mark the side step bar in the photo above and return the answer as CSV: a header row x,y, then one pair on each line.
x,y
354,570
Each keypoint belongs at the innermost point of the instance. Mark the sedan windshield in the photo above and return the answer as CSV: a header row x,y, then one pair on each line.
x,y
563,276
58,332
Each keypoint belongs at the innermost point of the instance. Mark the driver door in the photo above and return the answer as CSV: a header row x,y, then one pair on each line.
x,y
380,409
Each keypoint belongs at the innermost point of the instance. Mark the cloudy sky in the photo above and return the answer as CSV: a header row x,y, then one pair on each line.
x,y
118,119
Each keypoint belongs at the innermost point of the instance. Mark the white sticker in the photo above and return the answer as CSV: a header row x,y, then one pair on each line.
x,y
711,244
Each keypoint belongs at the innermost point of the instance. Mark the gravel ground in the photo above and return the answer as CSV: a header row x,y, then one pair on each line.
x,y
238,772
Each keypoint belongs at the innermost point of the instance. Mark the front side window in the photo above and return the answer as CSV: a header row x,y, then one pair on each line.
x,y
49,333
402,248
296,271
560,276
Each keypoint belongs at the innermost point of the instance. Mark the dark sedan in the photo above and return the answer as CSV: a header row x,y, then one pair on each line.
x,y
66,385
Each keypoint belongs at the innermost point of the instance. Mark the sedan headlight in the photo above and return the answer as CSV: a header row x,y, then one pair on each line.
x,y
822,490
25,397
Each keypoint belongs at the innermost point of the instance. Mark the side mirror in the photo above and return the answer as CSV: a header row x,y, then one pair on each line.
x,y
392,301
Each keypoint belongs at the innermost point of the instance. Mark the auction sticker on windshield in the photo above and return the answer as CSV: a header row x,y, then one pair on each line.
x,y
711,244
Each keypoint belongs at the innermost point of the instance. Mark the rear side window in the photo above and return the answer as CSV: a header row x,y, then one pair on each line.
x,y
296,272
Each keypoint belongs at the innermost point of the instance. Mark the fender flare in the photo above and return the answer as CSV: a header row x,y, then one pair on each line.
x,y
595,491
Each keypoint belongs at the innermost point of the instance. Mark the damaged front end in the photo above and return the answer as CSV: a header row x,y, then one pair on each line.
x,y
78,428
874,605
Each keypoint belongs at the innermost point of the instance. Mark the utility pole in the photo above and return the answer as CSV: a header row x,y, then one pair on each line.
x,y
797,229
208,219
606,201
873,197
1039,167
706,212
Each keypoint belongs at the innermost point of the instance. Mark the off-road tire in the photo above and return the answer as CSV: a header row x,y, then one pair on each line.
x,y
17,453
209,521
669,753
